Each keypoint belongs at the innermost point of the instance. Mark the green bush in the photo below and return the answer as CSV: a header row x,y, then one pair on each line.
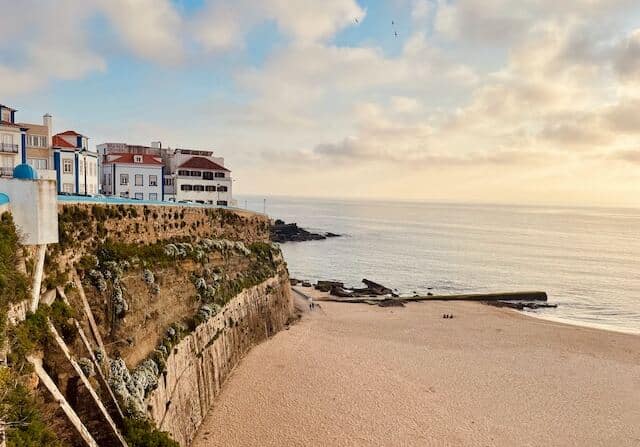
x,y
18,409
141,433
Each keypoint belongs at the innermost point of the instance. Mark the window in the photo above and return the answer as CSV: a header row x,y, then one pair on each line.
x,y
207,175
67,187
219,174
81,166
153,196
222,203
223,188
153,180
211,188
198,188
36,141
168,182
137,158
186,173
186,188
124,179
107,179
67,166
139,179
195,174
139,196
42,164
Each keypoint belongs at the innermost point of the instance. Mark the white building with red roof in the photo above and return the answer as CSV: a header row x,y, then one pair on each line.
x,y
134,176
76,165
187,175
198,176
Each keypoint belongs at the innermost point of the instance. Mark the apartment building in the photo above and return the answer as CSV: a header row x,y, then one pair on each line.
x,y
187,175
38,145
134,176
75,164
198,176
12,141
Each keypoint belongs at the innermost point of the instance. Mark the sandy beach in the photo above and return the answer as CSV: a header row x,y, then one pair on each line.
x,y
356,375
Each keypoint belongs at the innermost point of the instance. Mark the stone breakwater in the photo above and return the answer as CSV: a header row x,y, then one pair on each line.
x,y
198,366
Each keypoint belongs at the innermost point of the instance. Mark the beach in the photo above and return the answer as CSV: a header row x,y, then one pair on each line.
x,y
356,375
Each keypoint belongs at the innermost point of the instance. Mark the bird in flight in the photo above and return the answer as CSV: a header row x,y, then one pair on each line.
x,y
357,21
396,33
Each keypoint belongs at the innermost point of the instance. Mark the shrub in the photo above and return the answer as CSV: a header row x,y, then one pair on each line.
x,y
141,433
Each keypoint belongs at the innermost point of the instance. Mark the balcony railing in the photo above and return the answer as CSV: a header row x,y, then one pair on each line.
x,y
6,172
6,147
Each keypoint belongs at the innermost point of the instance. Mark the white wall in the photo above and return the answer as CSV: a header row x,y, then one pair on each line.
x,y
206,196
34,206
68,180
131,170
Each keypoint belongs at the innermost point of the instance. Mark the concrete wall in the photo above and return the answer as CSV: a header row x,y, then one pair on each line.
x,y
34,208
201,362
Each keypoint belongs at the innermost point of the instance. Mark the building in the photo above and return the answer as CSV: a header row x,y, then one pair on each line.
x,y
199,177
188,175
75,164
12,141
135,176
25,143
38,145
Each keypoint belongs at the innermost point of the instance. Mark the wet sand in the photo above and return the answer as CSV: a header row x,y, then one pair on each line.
x,y
356,375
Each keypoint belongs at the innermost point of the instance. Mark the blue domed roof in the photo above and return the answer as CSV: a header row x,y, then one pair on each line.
x,y
25,172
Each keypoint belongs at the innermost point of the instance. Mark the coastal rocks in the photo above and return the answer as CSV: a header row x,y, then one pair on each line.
x,y
284,232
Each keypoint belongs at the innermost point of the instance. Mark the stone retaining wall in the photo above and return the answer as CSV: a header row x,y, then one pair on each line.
x,y
200,363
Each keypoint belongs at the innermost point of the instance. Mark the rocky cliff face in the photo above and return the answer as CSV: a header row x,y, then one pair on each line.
x,y
200,363
154,306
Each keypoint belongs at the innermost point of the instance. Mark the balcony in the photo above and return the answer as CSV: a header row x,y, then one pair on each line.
x,y
10,148
6,172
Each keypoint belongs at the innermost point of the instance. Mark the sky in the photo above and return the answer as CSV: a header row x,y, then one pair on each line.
x,y
499,101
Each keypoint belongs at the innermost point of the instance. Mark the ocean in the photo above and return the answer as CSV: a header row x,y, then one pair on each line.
x,y
586,259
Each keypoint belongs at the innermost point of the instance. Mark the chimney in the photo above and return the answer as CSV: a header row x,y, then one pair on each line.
x,y
156,144
46,120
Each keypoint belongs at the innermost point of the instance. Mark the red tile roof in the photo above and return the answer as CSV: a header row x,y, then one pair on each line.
x,y
58,141
71,133
128,159
202,163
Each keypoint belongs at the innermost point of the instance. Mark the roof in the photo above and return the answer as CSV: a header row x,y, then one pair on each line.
x,y
71,133
7,107
4,199
128,159
202,163
58,141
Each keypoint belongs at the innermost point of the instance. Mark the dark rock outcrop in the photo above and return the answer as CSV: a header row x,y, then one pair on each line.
x,y
284,232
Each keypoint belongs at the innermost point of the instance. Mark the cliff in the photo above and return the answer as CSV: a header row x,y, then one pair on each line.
x,y
144,311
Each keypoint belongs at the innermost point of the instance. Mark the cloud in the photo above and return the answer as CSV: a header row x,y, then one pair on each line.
x,y
51,44
150,29
632,156
223,25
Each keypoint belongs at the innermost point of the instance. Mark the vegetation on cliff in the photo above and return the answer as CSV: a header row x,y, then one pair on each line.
x,y
13,284
19,408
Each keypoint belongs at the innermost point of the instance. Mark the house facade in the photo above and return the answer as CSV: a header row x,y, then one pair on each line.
x,y
12,141
200,179
133,176
187,175
38,145
75,164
